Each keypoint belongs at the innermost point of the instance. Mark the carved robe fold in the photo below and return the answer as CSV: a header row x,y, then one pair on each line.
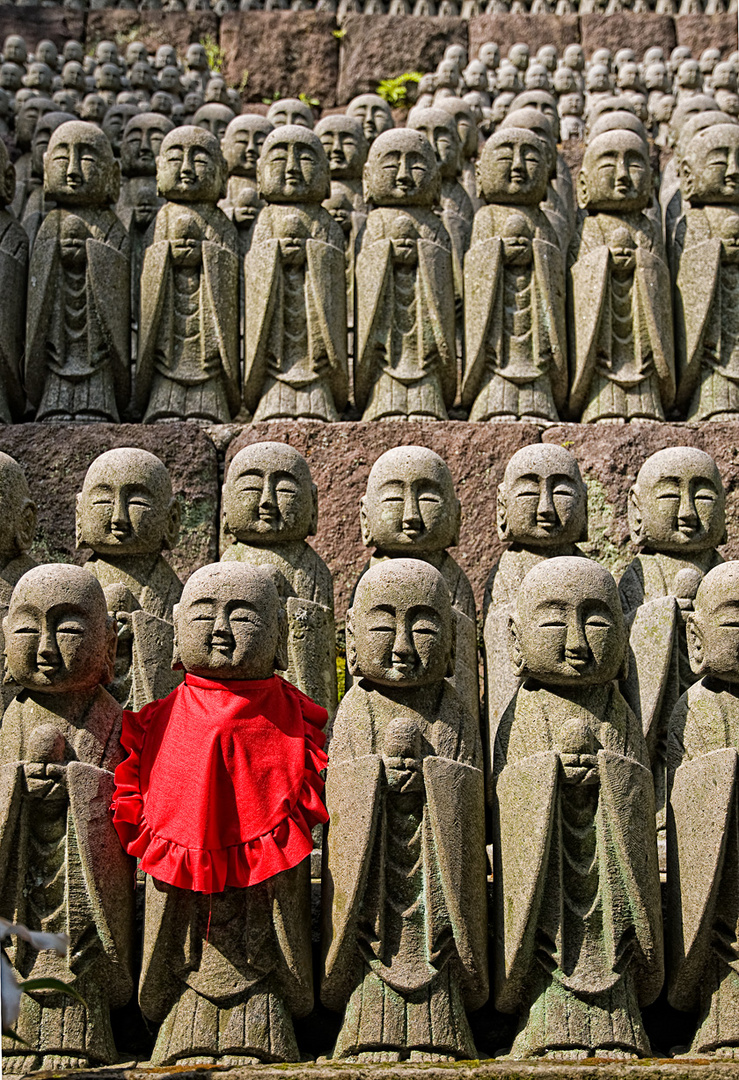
x,y
13,284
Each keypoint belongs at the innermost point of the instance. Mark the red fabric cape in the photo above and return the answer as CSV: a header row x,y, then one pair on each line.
x,y
221,786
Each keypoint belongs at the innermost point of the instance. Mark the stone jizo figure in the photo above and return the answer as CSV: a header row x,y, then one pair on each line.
x,y
677,518
405,356
374,114
542,512
516,349
290,111
65,871
270,508
215,118
405,951
13,282
295,287
621,313
578,915
78,321
241,146
227,948
702,747
188,365
127,514
707,283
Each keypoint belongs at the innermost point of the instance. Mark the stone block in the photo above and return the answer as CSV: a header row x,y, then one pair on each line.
x,y
534,30
154,28
55,458
376,47
627,30
38,23
285,53
701,32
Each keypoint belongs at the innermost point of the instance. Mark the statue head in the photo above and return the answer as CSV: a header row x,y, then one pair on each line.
x,y
242,143
17,508
79,167
92,109
709,169
14,49
547,55
542,501
410,506
475,76
514,167
216,91
141,143
440,129
213,117
543,102
246,205
724,77
373,113
47,53
490,55
59,638
537,78
616,176
457,54
46,126
447,75
688,76
292,167
106,53
141,77
166,56
568,628
291,112
137,52
169,80
190,167
269,496
39,77
518,55
141,196
401,630
27,117
713,625
696,103
108,77
343,139
196,58
563,82
11,77
230,624
574,57
677,504
73,50
341,209
598,79
126,506
464,118
115,122
402,170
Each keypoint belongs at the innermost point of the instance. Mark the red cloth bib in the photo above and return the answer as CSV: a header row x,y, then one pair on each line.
x,y
221,786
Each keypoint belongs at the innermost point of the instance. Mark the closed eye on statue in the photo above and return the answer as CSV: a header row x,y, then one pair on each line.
x,y
528,493
26,630
598,621
71,628
548,624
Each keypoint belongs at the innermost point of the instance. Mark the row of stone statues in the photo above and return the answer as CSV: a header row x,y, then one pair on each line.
x,y
588,716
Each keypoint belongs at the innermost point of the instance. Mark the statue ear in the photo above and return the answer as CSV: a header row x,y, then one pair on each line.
x,y
78,538
177,664
172,524
636,521
451,666
111,645
502,513
25,529
687,180
313,527
351,648
582,190
364,523
696,652
281,658
514,647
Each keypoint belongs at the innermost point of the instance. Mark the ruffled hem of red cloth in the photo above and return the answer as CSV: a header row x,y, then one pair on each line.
x,y
240,865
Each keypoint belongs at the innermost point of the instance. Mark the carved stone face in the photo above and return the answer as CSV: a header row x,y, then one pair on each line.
x,y
136,52
106,53
142,194
518,55
196,58
544,103
141,77
73,51
490,55
46,52
79,167
166,56
677,503
269,497
213,118
569,628
190,166
126,505
293,167
73,77
46,126
373,113
598,79
39,77
713,626
292,112
115,122
547,55
142,142
400,630
447,75
169,80
341,210
345,144
17,510
537,77
246,207
542,502
57,632
466,124
11,77
242,144
441,131
14,49
710,167
27,118
401,170
476,76
228,623
410,506
574,57
616,176
514,167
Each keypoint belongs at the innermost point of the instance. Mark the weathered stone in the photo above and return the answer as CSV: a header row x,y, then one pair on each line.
x,y
153,28
284,52
36,24
13,283
536,30
624,29
699,32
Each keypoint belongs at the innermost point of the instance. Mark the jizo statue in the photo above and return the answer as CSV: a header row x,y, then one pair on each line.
x,y
707,284
405,356
241,146
703,902
188,364
65,871
677,518
516,354
78,322
295,287
578,915
621,315
290,111
374,114
270,508
127,514
13,283
405,950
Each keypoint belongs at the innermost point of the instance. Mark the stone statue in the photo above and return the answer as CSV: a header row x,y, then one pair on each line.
x,y
578,910
405,926
126,513
374,114
63,869
78,322
13,282
214,117
295,287
290,111
464,118
676,517
542,513
188,363
141,145
227,946
707,284
32,208
405,356
241,146
620,310
270,507
516,353
703,903
410,510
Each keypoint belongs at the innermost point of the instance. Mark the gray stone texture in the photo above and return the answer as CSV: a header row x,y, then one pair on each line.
x,y
535,30
626,30
154,28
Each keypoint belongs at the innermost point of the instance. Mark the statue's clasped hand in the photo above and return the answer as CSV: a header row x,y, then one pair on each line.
x,y
579,768
403,775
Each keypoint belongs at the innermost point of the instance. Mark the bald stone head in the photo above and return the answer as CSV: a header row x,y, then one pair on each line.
x,y
269,497
345,144
709,169
293,167
616,176
374,114
17,508
677,504
440,129
141,143
191,167
214,117
542,501
402,170
713,625
464,118
79,167
292,112
514,167
543,102
242,143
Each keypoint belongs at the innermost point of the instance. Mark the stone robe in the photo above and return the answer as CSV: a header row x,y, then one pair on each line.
x,y
13,283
